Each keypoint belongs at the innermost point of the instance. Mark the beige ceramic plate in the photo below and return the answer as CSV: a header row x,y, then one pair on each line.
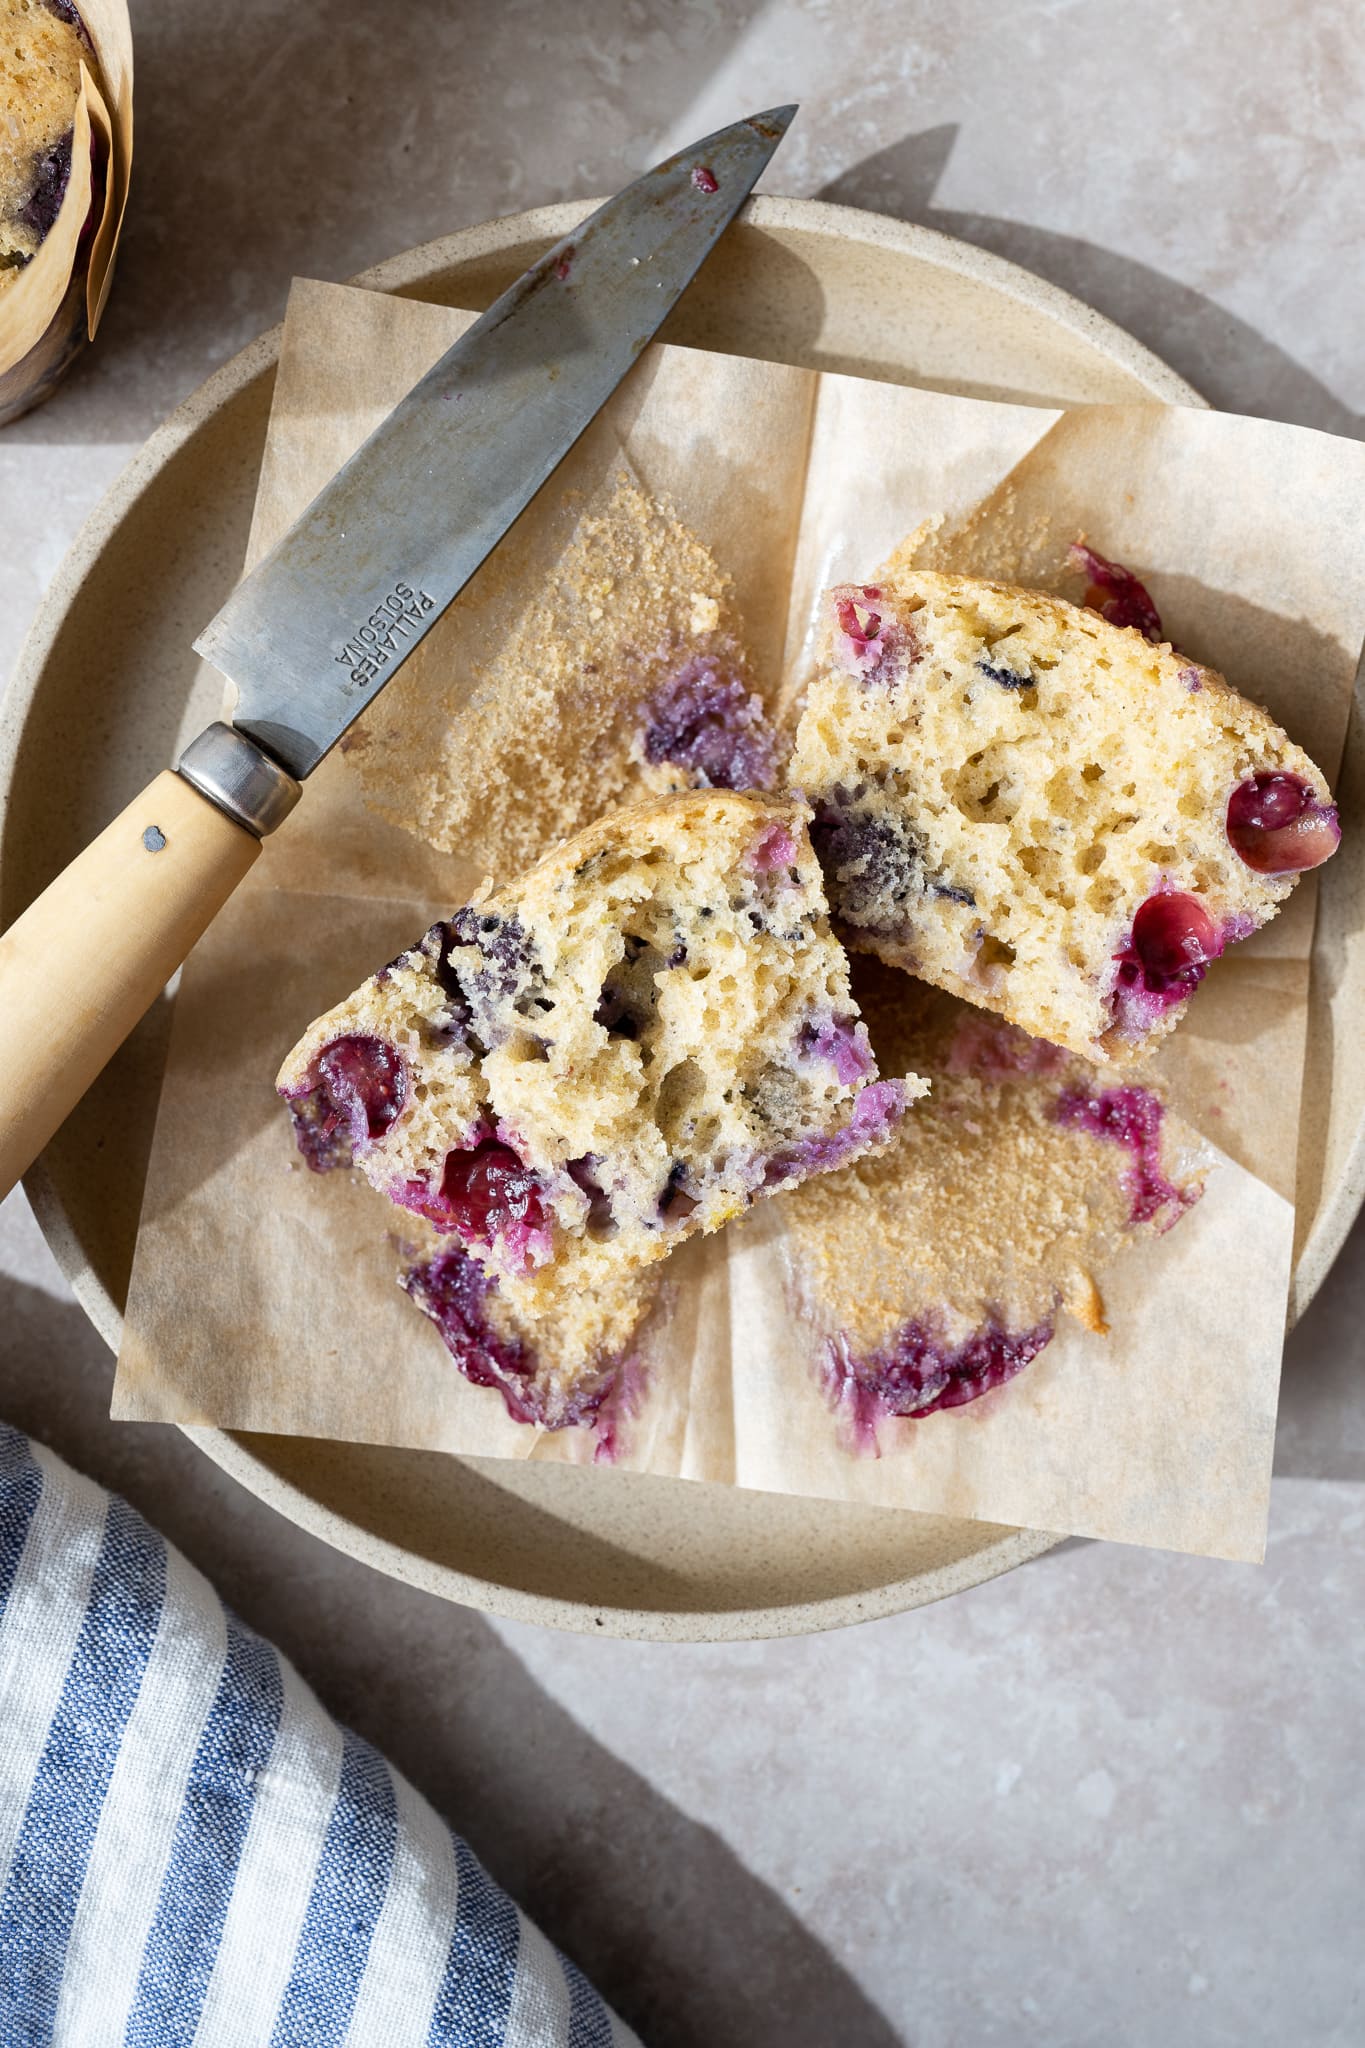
x,y
100,697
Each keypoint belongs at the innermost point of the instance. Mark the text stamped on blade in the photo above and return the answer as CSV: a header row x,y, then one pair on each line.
x,y
373,645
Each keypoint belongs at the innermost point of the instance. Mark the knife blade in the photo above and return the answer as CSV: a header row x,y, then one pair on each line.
x,y
316,630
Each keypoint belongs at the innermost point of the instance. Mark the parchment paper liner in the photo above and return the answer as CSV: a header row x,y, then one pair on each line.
x,y
264,1299
54,306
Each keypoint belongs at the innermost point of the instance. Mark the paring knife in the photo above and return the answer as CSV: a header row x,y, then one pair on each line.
x,y
317,629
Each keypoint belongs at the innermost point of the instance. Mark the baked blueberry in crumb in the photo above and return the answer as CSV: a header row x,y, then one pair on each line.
x,y
42,46
51,176
1164,958
1004,678
490,1199
843,1041
867,637
871,862
352,1093
1278,826
1115,592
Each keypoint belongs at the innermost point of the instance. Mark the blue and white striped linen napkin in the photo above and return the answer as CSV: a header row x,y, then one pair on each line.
x,y
193,1852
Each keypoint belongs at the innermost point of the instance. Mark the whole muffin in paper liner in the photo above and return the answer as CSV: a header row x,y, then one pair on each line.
x,y
65,150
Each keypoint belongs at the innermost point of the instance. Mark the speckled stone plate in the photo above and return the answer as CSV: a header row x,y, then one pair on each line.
x,y
102,694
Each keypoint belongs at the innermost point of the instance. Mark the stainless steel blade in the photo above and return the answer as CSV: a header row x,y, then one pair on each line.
x,y
319,627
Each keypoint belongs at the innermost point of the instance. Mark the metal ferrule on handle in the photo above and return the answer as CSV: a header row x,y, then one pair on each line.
x,y
233,772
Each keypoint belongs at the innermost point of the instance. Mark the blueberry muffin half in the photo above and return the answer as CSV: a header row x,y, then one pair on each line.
x,y
626,1046
1040,810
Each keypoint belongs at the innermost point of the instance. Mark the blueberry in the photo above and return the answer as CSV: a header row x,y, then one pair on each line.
x,y
490,1197
353,1092
51,174
675,1203
1115,592
1276,825
1007,678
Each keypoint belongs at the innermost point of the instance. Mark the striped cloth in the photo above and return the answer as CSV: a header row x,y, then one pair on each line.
x,y
191,1851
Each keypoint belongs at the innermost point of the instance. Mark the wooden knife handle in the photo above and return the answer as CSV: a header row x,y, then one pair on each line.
x,y
90,956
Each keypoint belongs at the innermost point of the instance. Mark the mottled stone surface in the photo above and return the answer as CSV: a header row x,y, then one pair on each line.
x,y
1115,1795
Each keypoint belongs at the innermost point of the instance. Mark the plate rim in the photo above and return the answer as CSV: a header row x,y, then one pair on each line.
x,y
232,1452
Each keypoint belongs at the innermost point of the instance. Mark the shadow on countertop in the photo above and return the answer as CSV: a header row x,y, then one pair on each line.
x,y
1321,1433
1232,365
689,1946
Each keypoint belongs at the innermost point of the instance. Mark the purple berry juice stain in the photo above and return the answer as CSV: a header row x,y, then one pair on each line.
x,y
916,1373
704,721
454,1290
843,1042
876,1114
1132,1118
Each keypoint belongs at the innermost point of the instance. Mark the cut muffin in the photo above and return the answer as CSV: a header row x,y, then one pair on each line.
x,y
624,1047
1040,810
938,1270
42,43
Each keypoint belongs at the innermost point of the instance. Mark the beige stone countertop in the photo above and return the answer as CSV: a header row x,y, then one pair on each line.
x,y
1115,1795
